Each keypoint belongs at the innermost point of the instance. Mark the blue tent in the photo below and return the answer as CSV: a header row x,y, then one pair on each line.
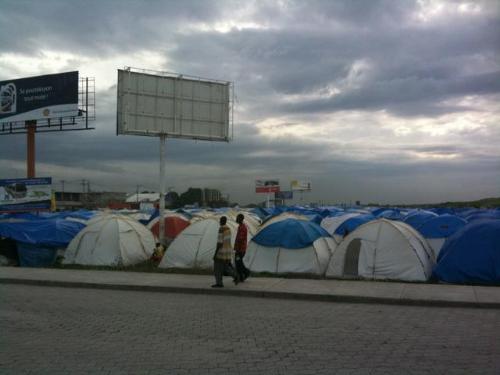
x,y
352,223
483,214
290,233
471,255
379,210
417,218
392,214
441,226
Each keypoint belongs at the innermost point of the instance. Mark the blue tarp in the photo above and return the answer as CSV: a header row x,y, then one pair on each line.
x,y
35,255
45,232
290,233
441,226
471,255
352,223
417,218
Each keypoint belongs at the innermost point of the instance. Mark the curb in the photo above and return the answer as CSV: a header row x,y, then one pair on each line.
x,y
255,293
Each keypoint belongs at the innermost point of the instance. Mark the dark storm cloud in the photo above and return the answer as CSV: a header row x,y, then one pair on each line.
x,y
300,62
96,27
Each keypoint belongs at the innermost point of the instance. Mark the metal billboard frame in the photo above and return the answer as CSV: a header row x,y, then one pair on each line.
x,y
175,97
164,135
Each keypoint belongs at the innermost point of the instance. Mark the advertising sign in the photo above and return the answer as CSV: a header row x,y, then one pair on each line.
x,y
267,186
42,97
173,105
25,194
283,195
297,185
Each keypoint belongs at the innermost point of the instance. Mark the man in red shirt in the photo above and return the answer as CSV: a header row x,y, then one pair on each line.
x,y
240,248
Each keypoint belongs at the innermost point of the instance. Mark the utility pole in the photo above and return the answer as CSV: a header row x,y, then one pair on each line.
x,y
137,194
62,188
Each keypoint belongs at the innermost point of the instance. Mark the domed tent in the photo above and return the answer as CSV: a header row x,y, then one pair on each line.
x,y
331,223
347,224
382,249
471,255
417,218
390,214
174,224
195,246
438,229
290,246
483,214
281,217
111,240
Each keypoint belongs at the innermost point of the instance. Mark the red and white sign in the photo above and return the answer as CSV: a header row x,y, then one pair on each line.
x,y
267,186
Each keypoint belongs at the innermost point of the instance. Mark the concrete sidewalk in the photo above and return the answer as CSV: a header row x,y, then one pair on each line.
x,y
304,289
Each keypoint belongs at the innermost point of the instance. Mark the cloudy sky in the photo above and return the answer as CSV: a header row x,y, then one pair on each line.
x,y
378,101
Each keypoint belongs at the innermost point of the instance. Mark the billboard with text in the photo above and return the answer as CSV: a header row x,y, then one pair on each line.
x,y
267,186
25,194
44,97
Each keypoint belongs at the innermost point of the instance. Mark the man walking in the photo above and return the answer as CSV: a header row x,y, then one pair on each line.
x,y
240,248
223,252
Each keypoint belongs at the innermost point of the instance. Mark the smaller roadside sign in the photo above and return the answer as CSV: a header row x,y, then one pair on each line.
x,y
298,185
25,194
285,195
267,186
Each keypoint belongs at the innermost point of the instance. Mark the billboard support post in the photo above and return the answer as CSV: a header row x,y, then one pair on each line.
x,y
162,189
30,141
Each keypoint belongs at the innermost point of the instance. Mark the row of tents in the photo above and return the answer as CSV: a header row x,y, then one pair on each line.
x,y
456,246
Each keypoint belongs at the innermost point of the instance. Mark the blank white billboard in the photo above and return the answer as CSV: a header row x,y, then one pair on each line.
x,y
173,105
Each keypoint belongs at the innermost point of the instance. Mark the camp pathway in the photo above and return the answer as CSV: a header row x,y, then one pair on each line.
x,y
56,331
286,288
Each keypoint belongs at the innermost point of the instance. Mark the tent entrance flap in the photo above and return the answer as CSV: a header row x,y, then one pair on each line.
x,y
352,258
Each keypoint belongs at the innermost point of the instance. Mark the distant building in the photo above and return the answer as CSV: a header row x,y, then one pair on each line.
x,y
90,200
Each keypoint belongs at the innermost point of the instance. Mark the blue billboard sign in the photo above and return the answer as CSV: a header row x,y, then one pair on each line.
x,y
25,194
283,195
39,98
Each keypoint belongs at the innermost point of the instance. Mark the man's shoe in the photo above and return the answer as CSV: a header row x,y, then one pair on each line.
x,y
236,281
217,286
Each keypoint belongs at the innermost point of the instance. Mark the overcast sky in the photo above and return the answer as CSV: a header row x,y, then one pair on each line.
x,y
378,101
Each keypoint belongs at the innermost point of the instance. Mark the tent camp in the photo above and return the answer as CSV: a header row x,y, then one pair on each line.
x,y
195,246
111,240
382,249
290,246
471,255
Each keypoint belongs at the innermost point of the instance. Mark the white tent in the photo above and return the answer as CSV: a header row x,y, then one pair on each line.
x,y
330,224
383,249
111,240
195,246
311,260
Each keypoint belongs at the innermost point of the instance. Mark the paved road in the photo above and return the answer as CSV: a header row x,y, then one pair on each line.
x,y
46,330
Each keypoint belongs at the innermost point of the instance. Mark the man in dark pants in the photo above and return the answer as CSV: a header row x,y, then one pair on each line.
x,y
240,248
223,253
